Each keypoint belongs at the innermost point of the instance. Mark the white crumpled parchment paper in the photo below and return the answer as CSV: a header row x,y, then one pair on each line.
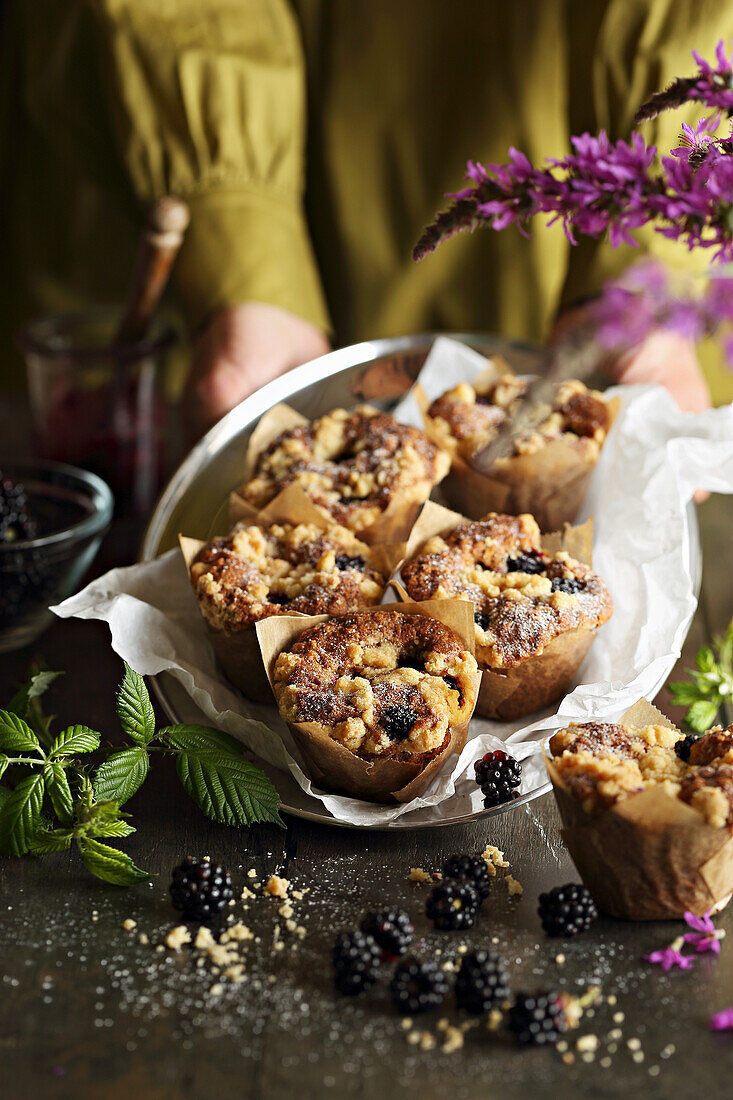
x,y
653,461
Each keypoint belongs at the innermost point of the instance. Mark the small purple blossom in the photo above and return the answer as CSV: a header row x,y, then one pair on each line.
x,y
705,937
667,957
722,1021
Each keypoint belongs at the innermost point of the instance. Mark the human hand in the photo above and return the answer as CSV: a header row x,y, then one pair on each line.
x,y
671,361
240,349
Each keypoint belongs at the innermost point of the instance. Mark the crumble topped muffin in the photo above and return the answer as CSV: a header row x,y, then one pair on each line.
x,y
353,465
383,683
523,597
602,764
464,420
282,569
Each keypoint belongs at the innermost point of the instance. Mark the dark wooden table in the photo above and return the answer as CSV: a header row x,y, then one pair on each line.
x,y
90,1011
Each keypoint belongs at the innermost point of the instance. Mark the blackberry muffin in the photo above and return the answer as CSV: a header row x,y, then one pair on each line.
x,y
379,697
276,569
357,467
465,419
535,613
649,819
548,466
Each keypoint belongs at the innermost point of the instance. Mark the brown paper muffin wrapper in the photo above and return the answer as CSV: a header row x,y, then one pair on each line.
x,y
238,653
508,693
550,484
332,766
393,525
650,856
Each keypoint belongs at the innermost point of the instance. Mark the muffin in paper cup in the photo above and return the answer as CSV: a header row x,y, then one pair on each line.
x,y
532,630
651,850
548,470
362,469
376,723
287,559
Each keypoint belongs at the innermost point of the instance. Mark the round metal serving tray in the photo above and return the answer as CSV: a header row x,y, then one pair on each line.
x,y
377,371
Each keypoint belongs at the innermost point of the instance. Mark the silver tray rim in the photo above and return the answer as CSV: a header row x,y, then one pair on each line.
x,y
251,409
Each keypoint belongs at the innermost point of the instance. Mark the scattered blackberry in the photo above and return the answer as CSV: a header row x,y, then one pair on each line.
x,y
343,561
482,619
498,775
15,522
482,982
200,889
453,685
418,986
567,910
397,721
566,584
537,1018
277,597
391,928
356,959
452,905
682,748
531,561
472,869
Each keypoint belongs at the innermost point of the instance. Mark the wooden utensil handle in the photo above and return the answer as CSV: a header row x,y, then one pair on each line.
x,y
159,245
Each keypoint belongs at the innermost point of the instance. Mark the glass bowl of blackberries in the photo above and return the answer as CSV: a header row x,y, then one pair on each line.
x,y
52,520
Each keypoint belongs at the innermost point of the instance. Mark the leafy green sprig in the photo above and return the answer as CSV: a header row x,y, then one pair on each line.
x,y
52,798
710,685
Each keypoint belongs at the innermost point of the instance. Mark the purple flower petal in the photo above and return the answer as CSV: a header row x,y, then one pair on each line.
x,y
722,1021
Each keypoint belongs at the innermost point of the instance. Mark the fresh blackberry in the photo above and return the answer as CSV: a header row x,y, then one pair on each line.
x,y
472,869
482,619
452,905
537,1018
482,982
391,928
531,561
356,959
200,889
15,521
567,910
418,986
498,775
682,748
566,584
397,721
343,561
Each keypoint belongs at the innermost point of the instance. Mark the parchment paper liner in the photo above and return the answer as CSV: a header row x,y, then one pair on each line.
x,y
336,768
550,484
238,653
512,692
650,856
393,525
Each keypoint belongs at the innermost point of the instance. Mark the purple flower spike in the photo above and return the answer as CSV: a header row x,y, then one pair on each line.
x,y
722,1021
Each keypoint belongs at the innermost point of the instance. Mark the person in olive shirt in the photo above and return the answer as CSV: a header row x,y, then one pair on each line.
x,y
296,245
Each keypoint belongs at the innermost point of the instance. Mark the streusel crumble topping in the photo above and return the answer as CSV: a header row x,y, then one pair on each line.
x,y
383,683
605,763
351,464
523,597
260,571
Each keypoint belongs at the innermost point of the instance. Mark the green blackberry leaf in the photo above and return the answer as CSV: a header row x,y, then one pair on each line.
x,y
75,740
701,715
46,842
705,659
111,828
110,864
20,815
134,709
201,740
229,789
3,764
684,693
59,791
16,735
121,775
